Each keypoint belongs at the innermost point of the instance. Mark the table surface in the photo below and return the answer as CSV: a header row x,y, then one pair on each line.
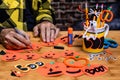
x,y
113,65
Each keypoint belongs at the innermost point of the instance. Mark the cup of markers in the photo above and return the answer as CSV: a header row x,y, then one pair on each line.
x,y
96,29
93,38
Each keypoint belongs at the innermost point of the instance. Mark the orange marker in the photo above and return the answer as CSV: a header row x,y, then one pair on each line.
x,y
70,36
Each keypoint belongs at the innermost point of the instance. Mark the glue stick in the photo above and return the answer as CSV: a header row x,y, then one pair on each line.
x,y
70,36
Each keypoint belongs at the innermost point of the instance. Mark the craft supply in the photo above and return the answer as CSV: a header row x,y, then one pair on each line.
x,y
95,70
32,66
70,36
86,13
39,63
58,47
106,16
110,43
2,52
74,63
16,73
52,69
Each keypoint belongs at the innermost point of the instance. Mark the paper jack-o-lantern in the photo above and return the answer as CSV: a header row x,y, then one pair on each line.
x,y
50,55
95,70
35,46
69,53
62,39
54,69
30,56
11,57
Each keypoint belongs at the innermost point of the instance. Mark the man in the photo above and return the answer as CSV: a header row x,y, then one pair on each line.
x,y
36,15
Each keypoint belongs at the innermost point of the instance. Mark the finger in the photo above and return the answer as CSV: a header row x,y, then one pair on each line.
x,y
48,34
10,45
43,30
36,30
16,41
21,39
27,36
56,32
52,37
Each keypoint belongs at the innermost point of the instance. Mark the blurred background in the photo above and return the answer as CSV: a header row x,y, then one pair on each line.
x,y
68,14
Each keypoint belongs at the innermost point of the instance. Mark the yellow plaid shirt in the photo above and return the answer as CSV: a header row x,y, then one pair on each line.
x,y
11,12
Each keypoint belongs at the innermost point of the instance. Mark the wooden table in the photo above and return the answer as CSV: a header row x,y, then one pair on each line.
x,y
112,74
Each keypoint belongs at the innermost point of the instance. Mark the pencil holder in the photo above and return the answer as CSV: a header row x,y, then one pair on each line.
x,y
93,38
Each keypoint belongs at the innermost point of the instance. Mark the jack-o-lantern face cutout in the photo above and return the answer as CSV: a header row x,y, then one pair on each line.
x,y
69,53
62,39
11,57
95,70
51,55
54,69
35,46
30,56
17,73
70,71
76,62
48,44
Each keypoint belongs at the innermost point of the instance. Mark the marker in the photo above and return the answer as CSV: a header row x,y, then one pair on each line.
x,y
17,31
86,13
70,36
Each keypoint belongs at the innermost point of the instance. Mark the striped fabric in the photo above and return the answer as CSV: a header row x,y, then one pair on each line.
x,y
19,13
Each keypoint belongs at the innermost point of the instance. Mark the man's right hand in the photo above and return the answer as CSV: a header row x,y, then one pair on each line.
x,y
12,40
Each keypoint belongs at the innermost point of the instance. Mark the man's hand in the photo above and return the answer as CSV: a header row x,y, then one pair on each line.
x,y
48,31
12,40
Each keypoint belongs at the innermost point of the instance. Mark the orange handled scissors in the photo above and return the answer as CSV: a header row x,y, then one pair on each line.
x,y
106,18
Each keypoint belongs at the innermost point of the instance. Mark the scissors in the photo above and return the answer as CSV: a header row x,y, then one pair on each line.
x,y
106,18
110,43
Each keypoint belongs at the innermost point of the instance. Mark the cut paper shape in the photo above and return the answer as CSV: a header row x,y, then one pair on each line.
x,y
68,53
30,56
35,46
50,55
55,69
71,71
21,68
62,39
76,62
39,63
11,57
32,66
95,70
49,44
17,73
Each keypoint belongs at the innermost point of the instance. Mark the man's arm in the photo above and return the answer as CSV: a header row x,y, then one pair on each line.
x,y
44,20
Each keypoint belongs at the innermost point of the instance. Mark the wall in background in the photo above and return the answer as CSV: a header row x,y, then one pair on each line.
x,y
67,13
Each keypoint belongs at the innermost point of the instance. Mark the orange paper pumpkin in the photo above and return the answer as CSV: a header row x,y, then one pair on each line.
x,y
69,53
30,56
48,44
62,39
71,71
11,57
51,55
95,70
35,46
55,69
75,62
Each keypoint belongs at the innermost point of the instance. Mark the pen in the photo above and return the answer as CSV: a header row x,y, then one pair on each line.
x,y
70,36
86,11
17,31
